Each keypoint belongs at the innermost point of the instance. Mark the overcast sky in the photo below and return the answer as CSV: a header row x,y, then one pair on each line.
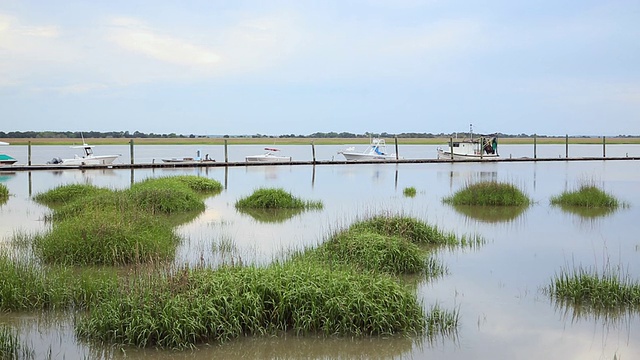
x,y
299,67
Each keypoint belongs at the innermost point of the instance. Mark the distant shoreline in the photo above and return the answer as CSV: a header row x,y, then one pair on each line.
x,y
304,141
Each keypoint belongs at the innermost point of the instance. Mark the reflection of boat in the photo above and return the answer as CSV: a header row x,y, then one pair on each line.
x,y
377,150
6,159
88,159
268,156
483,148
189,159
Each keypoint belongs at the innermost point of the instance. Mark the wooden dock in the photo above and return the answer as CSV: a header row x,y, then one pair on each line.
x,y
196,164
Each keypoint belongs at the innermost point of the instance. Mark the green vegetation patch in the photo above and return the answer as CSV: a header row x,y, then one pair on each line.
x,y
373,251
488,193
4,193
95,226
608,289
203,305
107,238
587,196
65,194
266,198
414,230
27,286
409,191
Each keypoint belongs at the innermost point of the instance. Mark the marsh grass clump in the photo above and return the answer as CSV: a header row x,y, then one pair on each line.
x,y
372,251
414,230
26,286
4,193
199,184
409,191
606,290
488,193
10,346
441,321
586,196
107,238
203,305
64,194
94,226
266,198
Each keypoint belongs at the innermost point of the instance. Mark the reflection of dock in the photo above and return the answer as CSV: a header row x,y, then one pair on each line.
x,y
20,167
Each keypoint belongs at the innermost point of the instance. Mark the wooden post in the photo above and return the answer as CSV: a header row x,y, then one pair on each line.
x,y
131,150
397,155
481,146
313,153
29,158
535,143
226,154
604,149
566,146
451,146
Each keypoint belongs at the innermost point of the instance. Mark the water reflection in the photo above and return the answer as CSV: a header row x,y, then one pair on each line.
x,y
6,175
271,215
491,214
612,318
587,212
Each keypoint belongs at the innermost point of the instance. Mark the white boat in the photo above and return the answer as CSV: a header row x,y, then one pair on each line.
x,y
481,148
6,159
89,158
377,150
268,156
189,159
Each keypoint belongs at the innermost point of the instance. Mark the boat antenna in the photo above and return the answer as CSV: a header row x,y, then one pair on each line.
x,y
471,131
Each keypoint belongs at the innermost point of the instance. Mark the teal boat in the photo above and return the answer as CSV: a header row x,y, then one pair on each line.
x,y
6,160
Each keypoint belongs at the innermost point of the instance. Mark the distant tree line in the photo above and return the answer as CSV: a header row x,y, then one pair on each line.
x,y
87,134
316,135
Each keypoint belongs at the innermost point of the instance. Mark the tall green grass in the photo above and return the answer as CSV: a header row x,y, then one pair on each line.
x,y
267,198
588,196
94,226
412,229
27,286
202,305
4,193
600,290
64,194
488,193
107,237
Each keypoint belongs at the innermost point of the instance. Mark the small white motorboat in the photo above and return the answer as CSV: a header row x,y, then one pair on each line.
x,y
89,158
268,156
377,150
484,147
189,159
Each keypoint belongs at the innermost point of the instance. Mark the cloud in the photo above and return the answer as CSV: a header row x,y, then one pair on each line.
x,y
133,35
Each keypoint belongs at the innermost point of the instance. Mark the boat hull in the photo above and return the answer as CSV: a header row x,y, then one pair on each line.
x,y
366,157
7,160
93,160
263,158
446,155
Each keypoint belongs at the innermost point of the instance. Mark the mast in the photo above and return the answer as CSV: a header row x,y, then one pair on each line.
x,y
471,131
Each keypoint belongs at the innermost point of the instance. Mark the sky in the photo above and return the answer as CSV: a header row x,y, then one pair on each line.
x,y
276,67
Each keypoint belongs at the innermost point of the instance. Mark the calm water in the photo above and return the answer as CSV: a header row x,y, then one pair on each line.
x,y
496,287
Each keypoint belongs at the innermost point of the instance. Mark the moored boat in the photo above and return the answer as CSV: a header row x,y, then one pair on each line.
x,y
268,156
89,158
377,150
6,159
484,147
